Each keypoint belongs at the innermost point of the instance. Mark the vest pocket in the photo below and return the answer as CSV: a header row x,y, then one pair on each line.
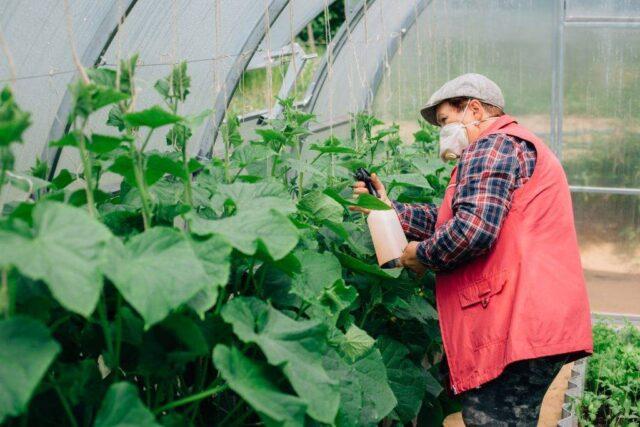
x,y
484,310
481,291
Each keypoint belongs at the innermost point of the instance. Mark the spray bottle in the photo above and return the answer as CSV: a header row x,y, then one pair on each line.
x,y
389,240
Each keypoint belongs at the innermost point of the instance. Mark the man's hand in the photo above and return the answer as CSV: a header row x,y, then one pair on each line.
x,y
410,260
360,188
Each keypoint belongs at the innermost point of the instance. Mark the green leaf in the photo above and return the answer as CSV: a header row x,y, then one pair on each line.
x,y
356,343
296,346
411,307
122,408
364,200
406,180
13,121
408,380
365,395
255,383
101,144
68,140
322,207
91,97
247,230
159,164
230,130
332,149
355,264
248,154
261,195
271,135
26,351
214,255
153,118
156,272
64,250
27,183
319,270
336,298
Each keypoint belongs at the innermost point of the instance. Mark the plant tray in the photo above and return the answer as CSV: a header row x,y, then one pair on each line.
x,y
574,391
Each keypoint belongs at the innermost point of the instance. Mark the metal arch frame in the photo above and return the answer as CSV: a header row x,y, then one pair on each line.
x,y
340,40
102,38
392,47
223,98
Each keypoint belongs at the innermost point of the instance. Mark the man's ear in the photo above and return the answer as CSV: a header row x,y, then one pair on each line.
x,y
476,109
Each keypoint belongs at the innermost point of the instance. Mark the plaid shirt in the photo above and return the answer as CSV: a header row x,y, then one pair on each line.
x,y
488,172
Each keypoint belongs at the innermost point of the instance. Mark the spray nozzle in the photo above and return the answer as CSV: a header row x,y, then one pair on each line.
x,y
363,175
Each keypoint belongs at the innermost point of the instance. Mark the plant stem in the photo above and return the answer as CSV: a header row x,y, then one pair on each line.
x,y
300,173
118,338
63,400
138,171
104,322
188,195
6,292
232,413
193,398
88,174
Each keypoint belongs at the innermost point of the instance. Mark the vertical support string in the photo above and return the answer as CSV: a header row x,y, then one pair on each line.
x,y
292,43
267,32
419,48
74,51
327,35
7,53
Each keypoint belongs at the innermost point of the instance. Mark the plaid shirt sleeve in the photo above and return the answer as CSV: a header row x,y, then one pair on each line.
x,y
488,172
418,219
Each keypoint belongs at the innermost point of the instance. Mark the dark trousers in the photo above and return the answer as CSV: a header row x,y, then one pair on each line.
x,y
514,397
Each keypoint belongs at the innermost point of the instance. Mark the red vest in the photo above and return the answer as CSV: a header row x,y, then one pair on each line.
x,y
526,297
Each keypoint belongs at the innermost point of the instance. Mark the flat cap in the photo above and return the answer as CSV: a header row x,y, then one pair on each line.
x,y
469,85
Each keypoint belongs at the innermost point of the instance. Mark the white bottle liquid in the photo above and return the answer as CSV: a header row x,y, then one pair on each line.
x,y
388,237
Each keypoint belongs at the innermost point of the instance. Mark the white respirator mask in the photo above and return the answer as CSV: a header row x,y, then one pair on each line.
x,y
454,139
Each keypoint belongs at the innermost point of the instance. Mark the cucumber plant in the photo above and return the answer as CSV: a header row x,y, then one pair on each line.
x,y
233,291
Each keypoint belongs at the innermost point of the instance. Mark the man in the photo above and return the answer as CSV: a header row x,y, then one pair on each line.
x,y
510,290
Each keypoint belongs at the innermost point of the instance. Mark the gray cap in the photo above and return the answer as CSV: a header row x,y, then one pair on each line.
x,y
469,85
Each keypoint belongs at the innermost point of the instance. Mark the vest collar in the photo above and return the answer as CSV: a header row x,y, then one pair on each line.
x,y
502,122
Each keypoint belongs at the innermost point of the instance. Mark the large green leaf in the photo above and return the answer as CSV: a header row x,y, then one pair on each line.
x,y
255,384
297,346
411,307
122,408
153,117
357,265
408,380
260,195
365,395
64,249
322,207
318,271
406,180
336,298
26,351
246,230
367,201
214,255
356,343
156,272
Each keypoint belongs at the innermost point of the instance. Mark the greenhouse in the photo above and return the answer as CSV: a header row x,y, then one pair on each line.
x,y
319,212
